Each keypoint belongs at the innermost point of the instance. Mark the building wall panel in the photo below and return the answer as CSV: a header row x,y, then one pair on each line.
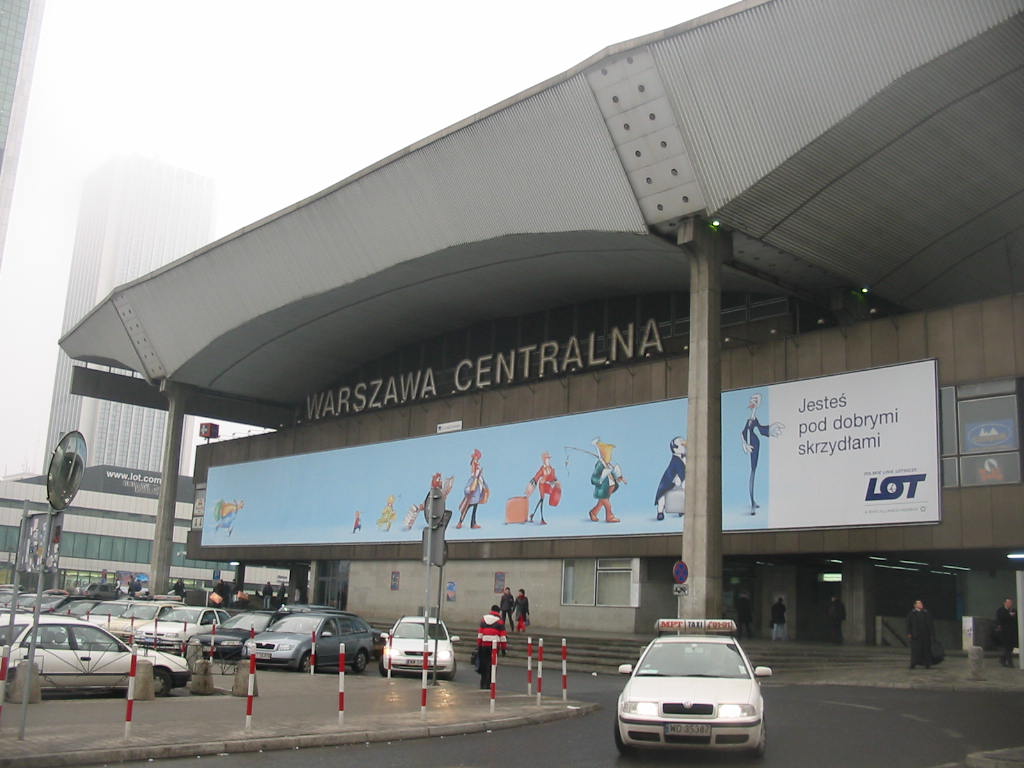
x,y
996,342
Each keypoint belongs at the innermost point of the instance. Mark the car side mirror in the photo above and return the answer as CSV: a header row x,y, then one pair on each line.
x,y
455,638
625,669
762,671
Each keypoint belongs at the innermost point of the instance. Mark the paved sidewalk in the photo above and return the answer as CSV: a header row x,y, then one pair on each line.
x,y
291,710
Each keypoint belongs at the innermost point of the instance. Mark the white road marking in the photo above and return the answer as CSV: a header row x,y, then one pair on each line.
x,y
855,706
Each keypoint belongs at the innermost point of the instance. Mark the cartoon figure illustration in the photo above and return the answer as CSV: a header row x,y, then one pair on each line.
x,y
671,492
358,525
225,512
547,482
752,433
388,516
476,491
416,509
606,479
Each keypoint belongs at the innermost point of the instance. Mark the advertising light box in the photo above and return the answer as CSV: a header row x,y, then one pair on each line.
x,y
851,449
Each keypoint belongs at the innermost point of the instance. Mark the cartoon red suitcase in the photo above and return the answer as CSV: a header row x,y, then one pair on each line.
x,y
517,509
555,496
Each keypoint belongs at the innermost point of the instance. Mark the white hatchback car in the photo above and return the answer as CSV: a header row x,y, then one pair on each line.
x,y
692,691
72,653
405,649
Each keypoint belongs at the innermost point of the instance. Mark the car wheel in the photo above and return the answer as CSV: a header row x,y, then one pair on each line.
x,y
762,745
360,661
382,669
623,747
303,665
162,682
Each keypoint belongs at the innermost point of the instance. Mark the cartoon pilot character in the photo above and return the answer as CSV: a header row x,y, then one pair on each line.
x,y
225,512
476,491
358,525
388,516
752,433
549,486
606,479
672,488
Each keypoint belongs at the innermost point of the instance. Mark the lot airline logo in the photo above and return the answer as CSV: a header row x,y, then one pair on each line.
x,y
893,487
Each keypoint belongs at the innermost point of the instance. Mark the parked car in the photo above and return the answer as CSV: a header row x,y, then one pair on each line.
x,y
693,691
80,607
405,650
175,626
102,590
105,611
72,653
140,612
288,642
231,635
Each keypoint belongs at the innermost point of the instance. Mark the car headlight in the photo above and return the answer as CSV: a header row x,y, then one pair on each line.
x,y
648,708
172,636
736,710
443,657
287,645
232,643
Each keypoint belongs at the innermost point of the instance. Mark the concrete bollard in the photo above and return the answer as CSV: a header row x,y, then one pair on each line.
x,y
975,662
202,679
144,688
14,687
240,686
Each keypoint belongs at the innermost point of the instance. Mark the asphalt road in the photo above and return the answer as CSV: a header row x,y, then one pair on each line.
x,y
812,726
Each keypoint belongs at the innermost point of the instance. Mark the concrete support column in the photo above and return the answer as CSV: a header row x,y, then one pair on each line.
x,y
163,538
858,595
702,523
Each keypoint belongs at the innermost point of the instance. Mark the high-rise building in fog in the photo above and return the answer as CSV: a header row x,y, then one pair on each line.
x,y
20,21
135,216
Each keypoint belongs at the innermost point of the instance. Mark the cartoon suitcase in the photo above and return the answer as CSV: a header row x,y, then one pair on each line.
x,y
555,496
674,501
517,510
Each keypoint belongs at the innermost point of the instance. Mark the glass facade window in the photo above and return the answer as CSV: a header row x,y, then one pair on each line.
x,y
603,582
578,587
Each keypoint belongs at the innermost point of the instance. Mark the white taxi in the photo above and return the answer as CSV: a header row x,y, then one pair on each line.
x,y
695,689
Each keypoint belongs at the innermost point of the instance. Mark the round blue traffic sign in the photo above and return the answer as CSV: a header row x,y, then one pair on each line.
x,y
680,572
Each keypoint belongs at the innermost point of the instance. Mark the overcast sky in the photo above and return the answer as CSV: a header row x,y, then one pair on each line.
x,y
274,101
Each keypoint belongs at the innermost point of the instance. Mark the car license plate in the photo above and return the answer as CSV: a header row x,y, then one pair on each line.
x,y
263,654
687,729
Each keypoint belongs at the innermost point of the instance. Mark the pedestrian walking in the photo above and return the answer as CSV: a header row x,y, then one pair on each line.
x,y
522,611
179,589
491,627
779,620
920,633
836,614
507,604
1006,631
282,594
744,615
268,595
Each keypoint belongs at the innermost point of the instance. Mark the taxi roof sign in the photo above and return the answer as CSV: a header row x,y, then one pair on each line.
x,y
696,626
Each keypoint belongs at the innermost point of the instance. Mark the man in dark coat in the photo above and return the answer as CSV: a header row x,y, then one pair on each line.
x,y
920,633
1006,631
492,629
779,620
744,615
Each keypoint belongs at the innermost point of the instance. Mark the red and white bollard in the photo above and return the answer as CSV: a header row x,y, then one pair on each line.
x,y
540,668
251,691
184,634
213,643
5,661
529,666
494,670
390,638
131,693
341,684
565,676
423,684
312,655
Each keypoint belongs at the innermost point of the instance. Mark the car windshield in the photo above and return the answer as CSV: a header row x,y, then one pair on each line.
x,y
80,608
297,624
694,659
414,629
142,611
110,609
184,615
257,621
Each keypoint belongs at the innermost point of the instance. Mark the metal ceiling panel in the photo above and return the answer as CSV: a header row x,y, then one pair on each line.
x,y
752,89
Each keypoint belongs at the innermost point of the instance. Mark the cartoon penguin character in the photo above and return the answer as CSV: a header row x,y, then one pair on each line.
x,y
671,491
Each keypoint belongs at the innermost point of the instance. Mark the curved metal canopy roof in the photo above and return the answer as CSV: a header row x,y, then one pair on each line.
x,y
846,142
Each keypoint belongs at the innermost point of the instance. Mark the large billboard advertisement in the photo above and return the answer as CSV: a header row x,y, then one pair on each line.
x,y
851,449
